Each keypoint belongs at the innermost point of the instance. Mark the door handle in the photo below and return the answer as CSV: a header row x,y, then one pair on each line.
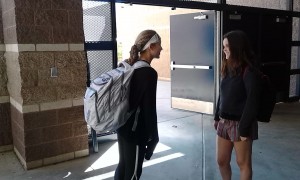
x,y
182,66
203,67
201,16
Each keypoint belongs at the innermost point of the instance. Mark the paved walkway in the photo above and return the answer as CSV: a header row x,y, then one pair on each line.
x,y
186,150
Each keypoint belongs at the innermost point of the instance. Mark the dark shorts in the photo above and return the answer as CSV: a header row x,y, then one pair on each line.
x,y
229,130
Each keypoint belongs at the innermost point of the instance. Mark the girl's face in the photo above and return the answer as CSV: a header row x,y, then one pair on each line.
x,y
156,49
226,48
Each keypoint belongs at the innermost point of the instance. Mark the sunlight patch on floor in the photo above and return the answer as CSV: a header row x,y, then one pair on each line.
x,y
146,164
111,157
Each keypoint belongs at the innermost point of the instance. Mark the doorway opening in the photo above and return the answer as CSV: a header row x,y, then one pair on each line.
x,y
132,19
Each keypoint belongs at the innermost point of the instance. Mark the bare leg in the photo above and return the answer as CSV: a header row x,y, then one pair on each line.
x,y
224,150
243,151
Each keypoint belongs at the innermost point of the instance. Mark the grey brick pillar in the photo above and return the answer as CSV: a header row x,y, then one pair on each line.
x,y
46,111
5,123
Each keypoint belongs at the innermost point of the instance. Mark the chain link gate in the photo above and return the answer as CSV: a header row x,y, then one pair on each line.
x,y
100,43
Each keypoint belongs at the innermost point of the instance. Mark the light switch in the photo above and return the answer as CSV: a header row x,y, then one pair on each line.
x,y
54,72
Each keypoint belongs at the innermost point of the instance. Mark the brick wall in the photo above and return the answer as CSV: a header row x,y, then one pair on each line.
x,y
46,112
37,84
41,136
5,123
5,127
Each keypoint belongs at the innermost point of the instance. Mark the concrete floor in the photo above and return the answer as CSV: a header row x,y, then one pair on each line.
x,y
186,150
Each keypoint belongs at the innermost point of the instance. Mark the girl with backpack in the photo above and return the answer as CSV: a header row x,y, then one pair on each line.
x,y
137,139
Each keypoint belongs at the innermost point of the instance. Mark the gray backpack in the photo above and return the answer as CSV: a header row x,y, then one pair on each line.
x,y
106,101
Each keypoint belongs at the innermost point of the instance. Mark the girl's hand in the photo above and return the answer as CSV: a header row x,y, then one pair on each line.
x,y
216,124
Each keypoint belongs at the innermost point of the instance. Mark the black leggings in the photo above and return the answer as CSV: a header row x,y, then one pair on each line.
x,y
129,168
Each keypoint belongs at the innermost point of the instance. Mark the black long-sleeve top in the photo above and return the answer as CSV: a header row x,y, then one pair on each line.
x,y
239,99
142,95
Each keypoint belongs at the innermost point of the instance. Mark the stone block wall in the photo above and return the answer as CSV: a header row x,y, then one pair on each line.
x,y
5,122
3,76
43,21
46,111
42,138
36,80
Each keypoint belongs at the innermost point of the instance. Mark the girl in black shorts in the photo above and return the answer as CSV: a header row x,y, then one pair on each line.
x,y
235,117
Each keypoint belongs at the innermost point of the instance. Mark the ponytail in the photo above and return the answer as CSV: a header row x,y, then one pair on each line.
x,y
134,55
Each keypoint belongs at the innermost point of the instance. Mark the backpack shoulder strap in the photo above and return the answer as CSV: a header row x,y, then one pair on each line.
x,y
124,64
137,65
140,64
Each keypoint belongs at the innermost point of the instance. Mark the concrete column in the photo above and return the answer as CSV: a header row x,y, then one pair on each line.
x,y
296,50
296,4
46,111
5,123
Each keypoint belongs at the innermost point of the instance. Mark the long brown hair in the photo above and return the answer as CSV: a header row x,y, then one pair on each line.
x,y
241,53
139,44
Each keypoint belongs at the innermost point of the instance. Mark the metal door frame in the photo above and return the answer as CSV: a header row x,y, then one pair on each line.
x,y
201,106
220,6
